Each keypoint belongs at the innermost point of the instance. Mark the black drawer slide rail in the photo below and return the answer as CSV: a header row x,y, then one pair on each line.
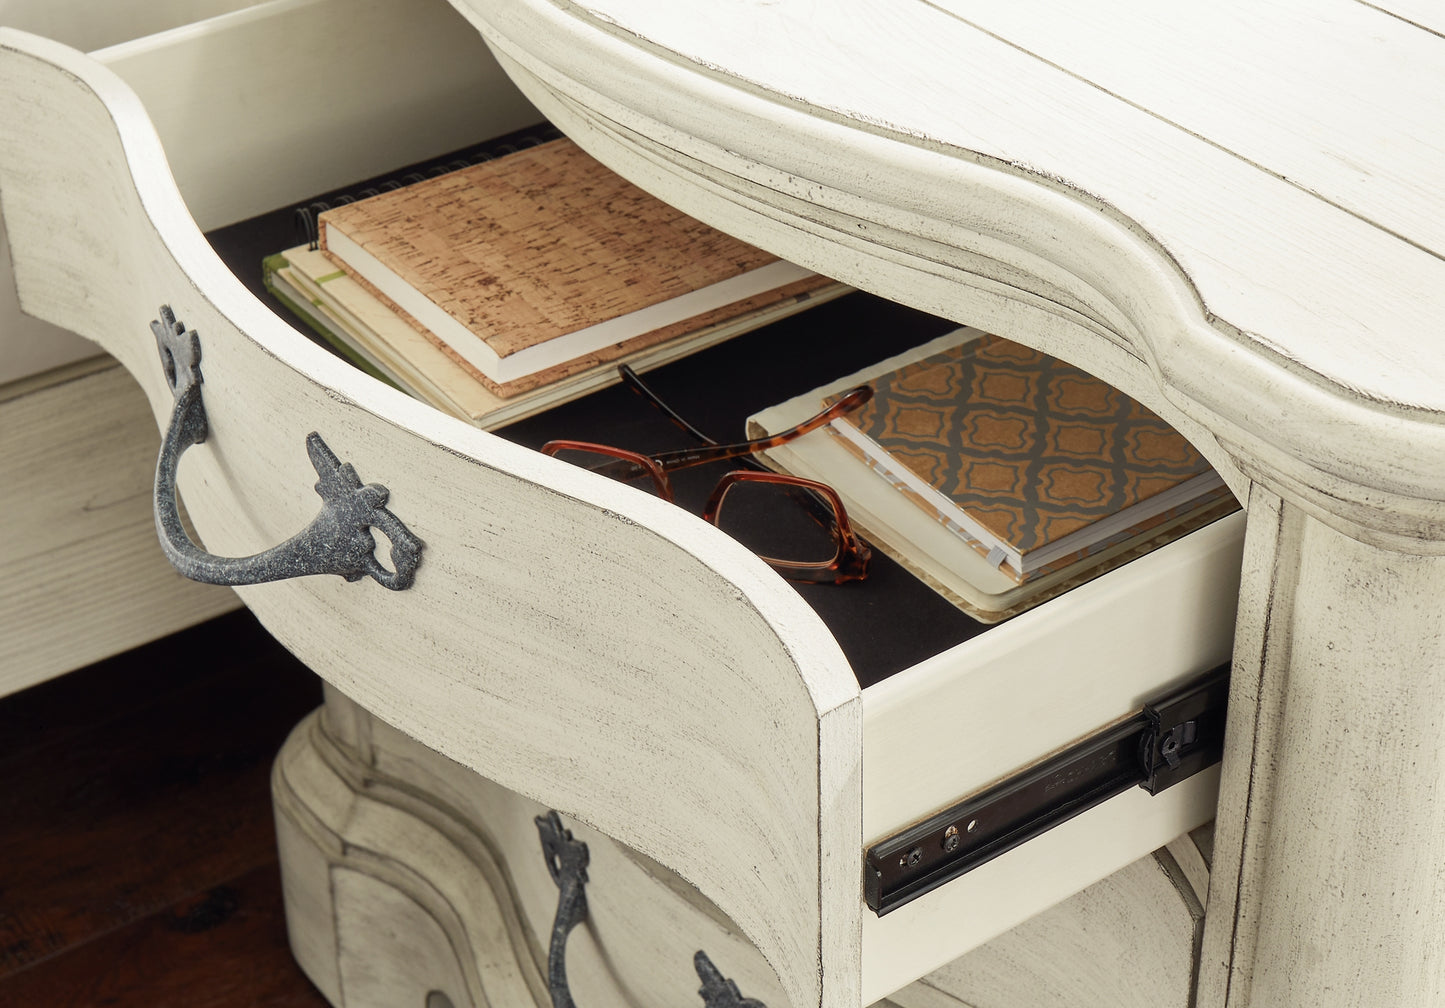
x,y
1159,746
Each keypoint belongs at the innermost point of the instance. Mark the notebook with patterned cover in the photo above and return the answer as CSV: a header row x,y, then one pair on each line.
x,y
1033,462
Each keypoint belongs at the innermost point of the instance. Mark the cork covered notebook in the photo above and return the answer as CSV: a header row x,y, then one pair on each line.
x,y
543,263
1034,463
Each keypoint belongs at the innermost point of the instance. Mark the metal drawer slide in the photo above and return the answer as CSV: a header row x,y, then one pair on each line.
x,y
1163,743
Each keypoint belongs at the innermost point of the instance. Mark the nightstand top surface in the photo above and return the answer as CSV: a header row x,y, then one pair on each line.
x,y
1288,156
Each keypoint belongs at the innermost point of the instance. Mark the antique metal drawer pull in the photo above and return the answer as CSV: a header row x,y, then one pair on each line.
x,y
338,541
567,864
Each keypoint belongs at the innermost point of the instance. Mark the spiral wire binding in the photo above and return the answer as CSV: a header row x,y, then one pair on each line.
x,y
305,217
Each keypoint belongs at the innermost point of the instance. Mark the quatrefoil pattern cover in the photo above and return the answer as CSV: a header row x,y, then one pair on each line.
x,y
1032,448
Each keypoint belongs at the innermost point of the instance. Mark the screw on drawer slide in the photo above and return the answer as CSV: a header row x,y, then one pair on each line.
x,y
1155,748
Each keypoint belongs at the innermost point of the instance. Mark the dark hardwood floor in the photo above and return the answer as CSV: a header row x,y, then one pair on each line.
x,y
137,850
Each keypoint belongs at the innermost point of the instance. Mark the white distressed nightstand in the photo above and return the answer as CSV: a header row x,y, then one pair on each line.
x,y
1232,213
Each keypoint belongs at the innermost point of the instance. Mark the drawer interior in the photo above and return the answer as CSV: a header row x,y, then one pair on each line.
x,y
264,102
261,103
887,624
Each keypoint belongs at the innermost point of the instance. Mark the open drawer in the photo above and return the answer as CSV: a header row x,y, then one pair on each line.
x,y
582,644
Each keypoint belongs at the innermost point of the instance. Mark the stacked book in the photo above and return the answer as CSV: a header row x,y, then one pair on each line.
x,y
1000,475
508,286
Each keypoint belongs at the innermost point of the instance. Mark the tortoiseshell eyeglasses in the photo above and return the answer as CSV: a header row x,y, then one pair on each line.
x,y
797,525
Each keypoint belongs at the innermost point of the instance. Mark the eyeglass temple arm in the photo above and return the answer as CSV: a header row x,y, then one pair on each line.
x,y
634,381
684,458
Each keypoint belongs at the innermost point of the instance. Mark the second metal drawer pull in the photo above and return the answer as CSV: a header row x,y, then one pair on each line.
x,y
567,864
338,540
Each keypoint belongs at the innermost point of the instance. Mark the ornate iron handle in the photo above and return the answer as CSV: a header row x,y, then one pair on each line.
x,y
339,539
567,864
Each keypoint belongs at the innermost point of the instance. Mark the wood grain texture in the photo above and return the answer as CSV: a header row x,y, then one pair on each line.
x,y
1326,894
561,625
1156,259
32,347
137,856
1220,212
1273,291
81,576
578,642
415,835
223,948
532,627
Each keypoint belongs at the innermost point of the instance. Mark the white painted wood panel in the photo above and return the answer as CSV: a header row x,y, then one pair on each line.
x,y
1128,941
951,725
574,640
1285,278
1327,885
1344,106
81,576
272,103
31,346
936,929
1282,306
93,26
1421,13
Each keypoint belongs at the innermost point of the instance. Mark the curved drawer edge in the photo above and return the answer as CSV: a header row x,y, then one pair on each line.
x,y
574,640
1010,250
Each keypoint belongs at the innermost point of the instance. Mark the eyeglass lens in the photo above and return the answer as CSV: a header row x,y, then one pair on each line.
x,y
782,523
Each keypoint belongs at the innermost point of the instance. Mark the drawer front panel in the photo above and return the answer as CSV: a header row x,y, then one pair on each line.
x,y
570,638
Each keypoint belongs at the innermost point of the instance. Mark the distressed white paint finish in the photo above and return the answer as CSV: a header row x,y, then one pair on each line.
x,y
906,151
1231,211
1256,246
80,576
363,798
31,346
1287,334
452,862
1328,879
963,686
599,651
